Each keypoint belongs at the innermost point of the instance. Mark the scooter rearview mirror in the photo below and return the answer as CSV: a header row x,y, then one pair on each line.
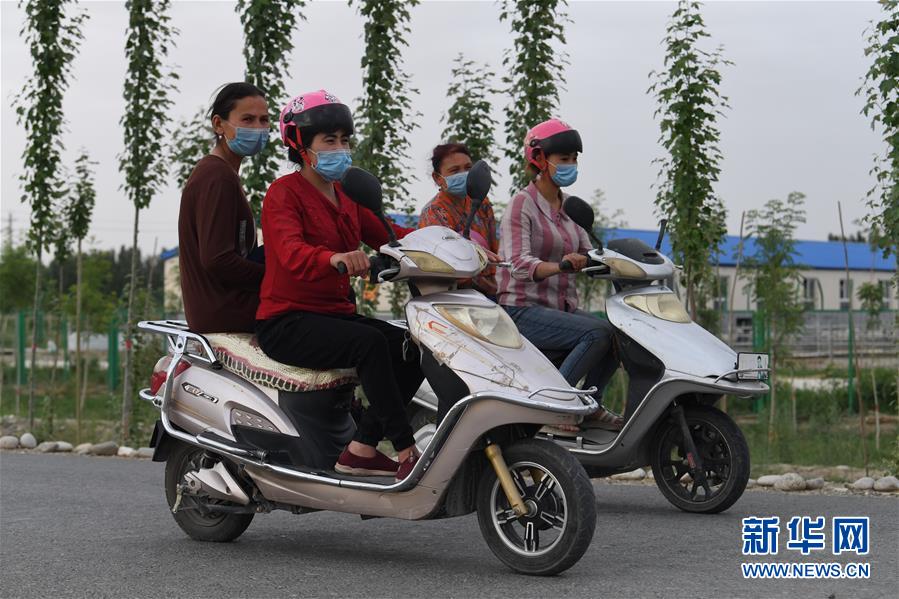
x,y
365,189
662,226
582,214
477,186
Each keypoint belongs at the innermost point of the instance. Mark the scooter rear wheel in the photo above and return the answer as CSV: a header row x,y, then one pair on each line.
x,y
724,454
558,528
211,527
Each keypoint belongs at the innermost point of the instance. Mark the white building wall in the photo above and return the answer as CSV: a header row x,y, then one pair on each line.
x,y
826,290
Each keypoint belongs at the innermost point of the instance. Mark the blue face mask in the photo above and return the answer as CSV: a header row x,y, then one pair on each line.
x,y
248,141
565,175
332,164
456,184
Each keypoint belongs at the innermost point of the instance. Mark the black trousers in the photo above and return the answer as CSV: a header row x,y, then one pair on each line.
x,y
373,347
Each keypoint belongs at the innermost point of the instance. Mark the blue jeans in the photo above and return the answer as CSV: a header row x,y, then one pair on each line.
x,y
584,340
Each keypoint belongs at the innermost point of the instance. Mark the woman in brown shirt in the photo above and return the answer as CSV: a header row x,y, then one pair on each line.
x,y
216,230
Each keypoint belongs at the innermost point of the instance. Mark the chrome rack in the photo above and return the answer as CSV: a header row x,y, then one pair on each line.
x,y
179,336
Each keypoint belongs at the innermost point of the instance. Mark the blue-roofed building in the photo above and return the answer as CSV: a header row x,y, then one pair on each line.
x,y
822,265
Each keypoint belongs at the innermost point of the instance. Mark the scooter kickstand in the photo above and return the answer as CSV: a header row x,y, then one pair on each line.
x,y
178,493
495,455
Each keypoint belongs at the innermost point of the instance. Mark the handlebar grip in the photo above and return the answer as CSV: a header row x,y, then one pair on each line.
x,y
341,268
566,266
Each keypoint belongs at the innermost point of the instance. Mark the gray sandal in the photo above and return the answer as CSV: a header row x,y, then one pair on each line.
x,y
603,419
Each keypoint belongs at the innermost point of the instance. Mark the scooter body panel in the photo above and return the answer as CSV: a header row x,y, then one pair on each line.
x,y
482,365
682,346
208,399
628,450
421,501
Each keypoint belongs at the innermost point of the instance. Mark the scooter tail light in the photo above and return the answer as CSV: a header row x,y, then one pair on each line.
x,y
158,378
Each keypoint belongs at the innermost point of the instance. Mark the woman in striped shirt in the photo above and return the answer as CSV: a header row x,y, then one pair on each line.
x,y
536,236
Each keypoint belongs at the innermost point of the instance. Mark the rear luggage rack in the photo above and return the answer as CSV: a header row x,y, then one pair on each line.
x,y
179,337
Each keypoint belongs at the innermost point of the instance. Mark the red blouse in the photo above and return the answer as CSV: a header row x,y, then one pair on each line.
x,y
302,229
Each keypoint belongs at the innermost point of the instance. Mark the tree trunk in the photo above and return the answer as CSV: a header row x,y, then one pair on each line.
x,y
126,384
78,344
2,354
58,334
150,270
730,298
773,402
876,412
863,430
37,297
793,401
83,391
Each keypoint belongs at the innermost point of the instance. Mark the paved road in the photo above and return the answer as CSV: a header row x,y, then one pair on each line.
x,y
73,526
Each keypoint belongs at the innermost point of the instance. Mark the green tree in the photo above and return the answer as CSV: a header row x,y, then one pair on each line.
x,y
17,272
194,140
78,214
880,91
384,118
469,119
775,281
268,27
870,295
689,105
148,84
53,38
535,70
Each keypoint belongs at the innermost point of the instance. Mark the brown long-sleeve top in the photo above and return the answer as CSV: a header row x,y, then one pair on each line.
x,y
216,233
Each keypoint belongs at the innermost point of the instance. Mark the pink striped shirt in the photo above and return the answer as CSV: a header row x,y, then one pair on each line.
x,y
532,232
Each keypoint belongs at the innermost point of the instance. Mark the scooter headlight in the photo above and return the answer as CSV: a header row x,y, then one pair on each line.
x,y
428,262
482,256
625,268
490,324
661,305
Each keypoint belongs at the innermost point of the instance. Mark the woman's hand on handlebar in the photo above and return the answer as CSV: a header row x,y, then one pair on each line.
x,y
573,262
354,263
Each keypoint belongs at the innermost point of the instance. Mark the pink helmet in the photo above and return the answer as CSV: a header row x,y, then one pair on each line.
x,y
551,137
311,113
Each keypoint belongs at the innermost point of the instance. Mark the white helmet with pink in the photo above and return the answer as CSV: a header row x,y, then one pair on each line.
x,y
551,137
310,113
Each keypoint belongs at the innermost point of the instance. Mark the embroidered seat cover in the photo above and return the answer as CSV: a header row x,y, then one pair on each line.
x,y
240,353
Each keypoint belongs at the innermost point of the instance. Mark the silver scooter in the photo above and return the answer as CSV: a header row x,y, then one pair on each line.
x,y
677,371
236,445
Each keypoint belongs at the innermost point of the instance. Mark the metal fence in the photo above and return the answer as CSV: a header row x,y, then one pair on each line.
x,y
825,334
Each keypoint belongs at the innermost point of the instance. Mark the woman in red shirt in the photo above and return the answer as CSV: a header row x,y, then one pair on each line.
x,y
305,317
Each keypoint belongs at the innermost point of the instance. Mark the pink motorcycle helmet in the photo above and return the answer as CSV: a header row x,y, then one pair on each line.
x,y
311,113
551,137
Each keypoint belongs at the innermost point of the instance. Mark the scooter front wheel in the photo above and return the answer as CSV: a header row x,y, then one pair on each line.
x,y
724,454
559,524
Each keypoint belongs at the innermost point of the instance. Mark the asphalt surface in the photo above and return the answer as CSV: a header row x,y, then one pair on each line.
x,y
73,526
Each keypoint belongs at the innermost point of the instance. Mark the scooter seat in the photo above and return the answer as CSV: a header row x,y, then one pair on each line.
x,y
240,353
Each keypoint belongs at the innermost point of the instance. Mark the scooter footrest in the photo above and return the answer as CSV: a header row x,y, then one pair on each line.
x,y
215,441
